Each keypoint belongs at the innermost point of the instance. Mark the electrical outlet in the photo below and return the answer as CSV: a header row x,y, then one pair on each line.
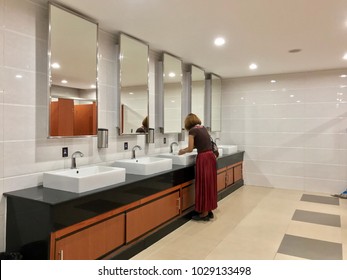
x,y
164,140
65,152
125,145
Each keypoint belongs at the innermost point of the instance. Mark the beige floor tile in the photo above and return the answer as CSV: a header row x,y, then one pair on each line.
x,y
315,231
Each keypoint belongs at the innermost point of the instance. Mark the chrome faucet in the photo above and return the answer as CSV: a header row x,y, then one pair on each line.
x,y
73,159
133,150
171,146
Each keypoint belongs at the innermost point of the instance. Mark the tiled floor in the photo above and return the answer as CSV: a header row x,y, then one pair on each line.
x,y
258,223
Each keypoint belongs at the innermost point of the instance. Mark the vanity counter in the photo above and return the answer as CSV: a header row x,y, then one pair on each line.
x,y
34,213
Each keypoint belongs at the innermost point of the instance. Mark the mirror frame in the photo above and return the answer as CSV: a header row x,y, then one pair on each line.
x,y
121,122
203,115
50,82
180,82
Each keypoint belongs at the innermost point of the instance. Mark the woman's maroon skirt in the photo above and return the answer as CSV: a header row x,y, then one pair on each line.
x,y
205,182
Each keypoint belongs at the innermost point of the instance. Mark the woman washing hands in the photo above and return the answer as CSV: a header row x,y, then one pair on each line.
x,y
205,168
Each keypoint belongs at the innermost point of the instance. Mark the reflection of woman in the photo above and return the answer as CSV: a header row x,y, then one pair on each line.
x,y
144,127
206,168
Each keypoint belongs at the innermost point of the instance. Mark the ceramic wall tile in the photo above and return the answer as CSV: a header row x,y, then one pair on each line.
x,y
298,121
26,17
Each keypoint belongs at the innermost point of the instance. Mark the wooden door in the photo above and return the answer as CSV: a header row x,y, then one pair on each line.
x,y
92,242
151,215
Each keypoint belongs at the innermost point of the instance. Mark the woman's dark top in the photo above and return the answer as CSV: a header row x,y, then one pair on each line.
x,y
202,140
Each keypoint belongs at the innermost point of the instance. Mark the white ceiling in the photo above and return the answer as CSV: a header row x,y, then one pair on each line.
x,y
259,31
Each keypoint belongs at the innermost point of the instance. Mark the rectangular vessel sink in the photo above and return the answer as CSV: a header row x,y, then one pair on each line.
x,y
144,165
186,159
83,179
228,149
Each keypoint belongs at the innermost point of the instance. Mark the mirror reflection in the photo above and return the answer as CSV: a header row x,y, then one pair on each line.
x,y
133,85
172,80
198,92
216,101
73,74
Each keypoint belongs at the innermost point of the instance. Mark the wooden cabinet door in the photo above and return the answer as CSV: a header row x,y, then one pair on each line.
x,y
229,176
221,179
92,242
238,172
151,215
188,196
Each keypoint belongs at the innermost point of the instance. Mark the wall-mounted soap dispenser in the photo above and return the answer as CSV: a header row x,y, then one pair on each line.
x,y
150,135
102,138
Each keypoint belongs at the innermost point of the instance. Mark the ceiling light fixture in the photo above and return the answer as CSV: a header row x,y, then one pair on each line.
x,y
64,81
172,74
345,56
253,66
19,76
273,81
343,76
220,41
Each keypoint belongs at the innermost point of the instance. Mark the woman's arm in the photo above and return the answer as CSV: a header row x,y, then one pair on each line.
x,y
190,147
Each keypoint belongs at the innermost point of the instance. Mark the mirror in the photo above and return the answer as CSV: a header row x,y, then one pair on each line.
x,y
216,102
172,82
73,74
198,93
133,85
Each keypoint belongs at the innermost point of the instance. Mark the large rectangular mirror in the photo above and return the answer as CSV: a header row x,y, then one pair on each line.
x,y
216,102
72,74
133,85
198,92
172,84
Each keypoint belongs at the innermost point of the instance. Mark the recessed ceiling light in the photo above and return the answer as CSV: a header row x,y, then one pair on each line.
x,y
273,81
93,86
343,76
131,93
220,41
64,81
253,66
19,76
172,74
55,65
345,56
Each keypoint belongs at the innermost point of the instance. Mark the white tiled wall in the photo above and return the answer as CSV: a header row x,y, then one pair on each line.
x,y
294,131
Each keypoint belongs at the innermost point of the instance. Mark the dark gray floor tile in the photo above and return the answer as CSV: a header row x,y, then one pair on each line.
x,y
312,249
320,199
317,218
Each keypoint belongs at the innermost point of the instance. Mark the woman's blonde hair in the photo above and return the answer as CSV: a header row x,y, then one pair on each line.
x,y
191,121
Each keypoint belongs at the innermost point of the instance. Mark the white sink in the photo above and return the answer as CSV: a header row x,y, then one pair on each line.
x,y
186,159
220,151
144,165
228,149
83,179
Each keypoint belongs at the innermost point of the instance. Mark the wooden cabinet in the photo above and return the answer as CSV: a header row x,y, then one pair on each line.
x,y
238,172
151,215
221,179
90,242
188,195
229,175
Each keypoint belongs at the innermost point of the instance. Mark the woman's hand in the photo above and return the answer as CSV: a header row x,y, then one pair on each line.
x,y
181,152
